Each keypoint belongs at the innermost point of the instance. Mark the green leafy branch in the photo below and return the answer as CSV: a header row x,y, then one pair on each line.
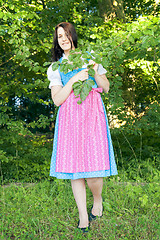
x,y
76,60
82,89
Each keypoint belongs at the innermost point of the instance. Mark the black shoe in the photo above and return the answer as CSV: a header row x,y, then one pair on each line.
x,y
93,217
84,230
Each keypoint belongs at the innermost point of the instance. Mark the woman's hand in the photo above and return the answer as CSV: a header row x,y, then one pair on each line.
x,y
95,65
82,75
60,94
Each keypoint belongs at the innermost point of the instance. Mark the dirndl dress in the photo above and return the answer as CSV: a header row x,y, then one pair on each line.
x,y
82,145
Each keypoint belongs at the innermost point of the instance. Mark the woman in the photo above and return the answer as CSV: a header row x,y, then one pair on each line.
x,y
82,147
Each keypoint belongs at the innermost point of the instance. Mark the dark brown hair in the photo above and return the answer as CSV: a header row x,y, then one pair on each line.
x,y
70,31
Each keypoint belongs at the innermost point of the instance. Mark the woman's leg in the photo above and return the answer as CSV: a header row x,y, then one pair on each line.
x,y
96,185
79,192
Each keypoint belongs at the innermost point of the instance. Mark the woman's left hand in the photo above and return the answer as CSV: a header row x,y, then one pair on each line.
x,y
95,65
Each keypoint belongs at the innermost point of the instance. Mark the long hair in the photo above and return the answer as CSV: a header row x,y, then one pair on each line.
x,y
70,31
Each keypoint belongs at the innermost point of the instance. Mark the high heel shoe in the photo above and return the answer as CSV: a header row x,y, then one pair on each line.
x,y
93,217
85,229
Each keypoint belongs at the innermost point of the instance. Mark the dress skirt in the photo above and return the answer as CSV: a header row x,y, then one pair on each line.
x,y
82,146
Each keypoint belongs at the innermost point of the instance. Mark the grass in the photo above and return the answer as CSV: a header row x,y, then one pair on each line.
x,y
47,210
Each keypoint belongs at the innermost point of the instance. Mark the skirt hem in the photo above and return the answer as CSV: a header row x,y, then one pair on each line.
x,y
83,175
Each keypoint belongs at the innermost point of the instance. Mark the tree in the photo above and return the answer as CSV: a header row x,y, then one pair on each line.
x,y
129,52
110,9
136,8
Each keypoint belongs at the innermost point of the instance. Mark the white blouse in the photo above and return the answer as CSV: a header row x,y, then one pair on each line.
x,y
55,78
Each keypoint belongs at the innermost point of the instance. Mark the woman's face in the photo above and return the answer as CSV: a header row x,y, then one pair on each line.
x,y
63,40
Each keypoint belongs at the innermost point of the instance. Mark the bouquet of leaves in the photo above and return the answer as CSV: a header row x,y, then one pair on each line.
x,y
76,60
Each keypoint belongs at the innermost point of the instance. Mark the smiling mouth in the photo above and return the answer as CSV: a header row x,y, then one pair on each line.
x,y
65,43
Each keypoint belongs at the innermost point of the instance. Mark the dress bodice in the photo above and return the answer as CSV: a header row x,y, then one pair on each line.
x,y
66,77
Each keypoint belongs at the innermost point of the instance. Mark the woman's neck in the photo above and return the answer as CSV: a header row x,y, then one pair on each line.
x,y
67,52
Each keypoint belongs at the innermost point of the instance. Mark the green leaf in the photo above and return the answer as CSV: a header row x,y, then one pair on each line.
x,y
85,91
83,95
91,72
79,102
119,52
77,87
77,84
77,91
55,66
90,66
65,71
46,64
70,57
86,61
131,38
64,61
62,67
86,55
90,82
89,88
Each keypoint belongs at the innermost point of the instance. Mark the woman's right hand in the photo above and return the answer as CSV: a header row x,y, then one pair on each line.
x,y
82,75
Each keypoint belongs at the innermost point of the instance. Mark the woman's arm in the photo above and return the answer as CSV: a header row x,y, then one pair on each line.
x,y
101,80
60,94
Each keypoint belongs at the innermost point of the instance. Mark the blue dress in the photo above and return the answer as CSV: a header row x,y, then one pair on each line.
x,y
64,175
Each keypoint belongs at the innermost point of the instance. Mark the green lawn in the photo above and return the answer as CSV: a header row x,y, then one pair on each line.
x,y
47,210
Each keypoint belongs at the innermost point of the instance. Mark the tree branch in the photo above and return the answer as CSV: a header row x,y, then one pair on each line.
x,y
43,3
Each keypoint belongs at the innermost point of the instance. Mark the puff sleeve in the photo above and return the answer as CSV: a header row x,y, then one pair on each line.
x,y
101,69
54,77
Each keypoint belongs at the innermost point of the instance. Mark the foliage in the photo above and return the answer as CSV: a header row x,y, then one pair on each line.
x,y
47,210
82,89
129,51
24,156
136,146
77,59
132,54
135,8
26,42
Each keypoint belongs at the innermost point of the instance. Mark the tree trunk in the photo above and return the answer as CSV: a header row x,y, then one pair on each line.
x,y
110,9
